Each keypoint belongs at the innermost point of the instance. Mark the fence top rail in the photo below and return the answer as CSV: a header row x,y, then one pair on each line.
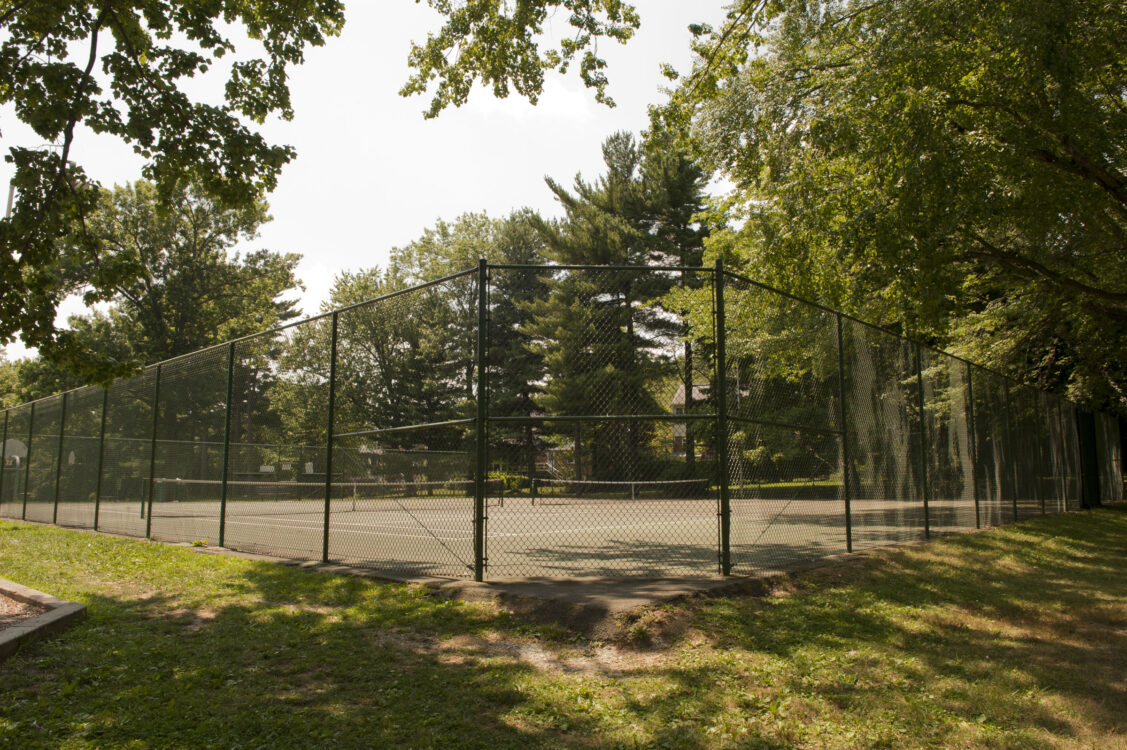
x,y
581,267
263,334
562,267
883,329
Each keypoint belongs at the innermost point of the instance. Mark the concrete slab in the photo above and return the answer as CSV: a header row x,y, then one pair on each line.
x,y
60,615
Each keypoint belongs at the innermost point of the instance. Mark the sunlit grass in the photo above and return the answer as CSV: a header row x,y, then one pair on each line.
x,y
1011,638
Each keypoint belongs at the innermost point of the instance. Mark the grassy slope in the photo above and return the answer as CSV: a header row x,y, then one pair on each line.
x,y
1012,638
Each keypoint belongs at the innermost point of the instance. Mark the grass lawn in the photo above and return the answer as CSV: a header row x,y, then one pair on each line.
x,y
1015,637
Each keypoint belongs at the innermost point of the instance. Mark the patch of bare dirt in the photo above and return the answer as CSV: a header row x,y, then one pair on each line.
x,y
13,611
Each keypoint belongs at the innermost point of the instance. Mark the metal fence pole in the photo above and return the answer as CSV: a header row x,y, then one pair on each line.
x,y
329,439
1010,452
846,458
923,444
27,459
101,457
153,458
973,430
4,456
480,426
722,424
226,445
59,459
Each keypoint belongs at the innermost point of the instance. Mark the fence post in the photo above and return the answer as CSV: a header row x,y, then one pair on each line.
x,y
27,459
722,424
329,439
1011,452
153,458
481,455
973,430
923,444
846,458
59,459
226,446
4,456
101,457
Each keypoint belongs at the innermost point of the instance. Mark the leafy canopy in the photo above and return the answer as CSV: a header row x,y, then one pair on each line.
x,y
952,168
118,68
187,291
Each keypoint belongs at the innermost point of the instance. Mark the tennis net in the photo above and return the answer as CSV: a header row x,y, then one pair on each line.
x,y
202,497
573,491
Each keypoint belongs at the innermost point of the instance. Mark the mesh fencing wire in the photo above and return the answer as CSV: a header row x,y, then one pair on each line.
x,y
405,369
784,428
43,459
883,428
517,421
1108,451
13,481
597,459
78,470
949,462
127,454
190,419
276,463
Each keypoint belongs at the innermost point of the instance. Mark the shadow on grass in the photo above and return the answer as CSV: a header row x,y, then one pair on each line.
x,y
287,659
1022,629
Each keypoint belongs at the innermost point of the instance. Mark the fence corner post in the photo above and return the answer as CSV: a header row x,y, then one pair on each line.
x,y
722,423
481,462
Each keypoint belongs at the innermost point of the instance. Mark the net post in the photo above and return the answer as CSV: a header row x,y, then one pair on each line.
x,y
329,438
925,489
1010,450
153,458
481,462
722,422
27,460
4,455
101,457
59,459
226,445
973,429
532,492
846,458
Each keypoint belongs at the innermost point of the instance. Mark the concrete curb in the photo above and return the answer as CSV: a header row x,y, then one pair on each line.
x,y
59,616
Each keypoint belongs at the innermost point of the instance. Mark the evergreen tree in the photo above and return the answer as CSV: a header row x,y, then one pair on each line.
x,y
605,337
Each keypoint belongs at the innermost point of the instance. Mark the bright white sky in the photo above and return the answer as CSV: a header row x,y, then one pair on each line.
x,y
372,174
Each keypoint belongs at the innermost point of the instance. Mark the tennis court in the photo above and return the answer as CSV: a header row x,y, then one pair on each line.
x,y
422,530
509,421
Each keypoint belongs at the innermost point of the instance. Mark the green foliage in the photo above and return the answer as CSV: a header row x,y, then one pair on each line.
x,y
186,291
144,51
951,169
910,648
604,334
499,45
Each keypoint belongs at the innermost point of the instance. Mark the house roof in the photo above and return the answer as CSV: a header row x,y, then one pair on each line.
x,y
700,393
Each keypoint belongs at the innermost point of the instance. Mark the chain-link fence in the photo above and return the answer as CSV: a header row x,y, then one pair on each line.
x,y
512,421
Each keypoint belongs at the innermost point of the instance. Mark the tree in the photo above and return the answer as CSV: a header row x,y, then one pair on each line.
x,y
953,169
604,334
119,67
143,51
187,291
498,44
